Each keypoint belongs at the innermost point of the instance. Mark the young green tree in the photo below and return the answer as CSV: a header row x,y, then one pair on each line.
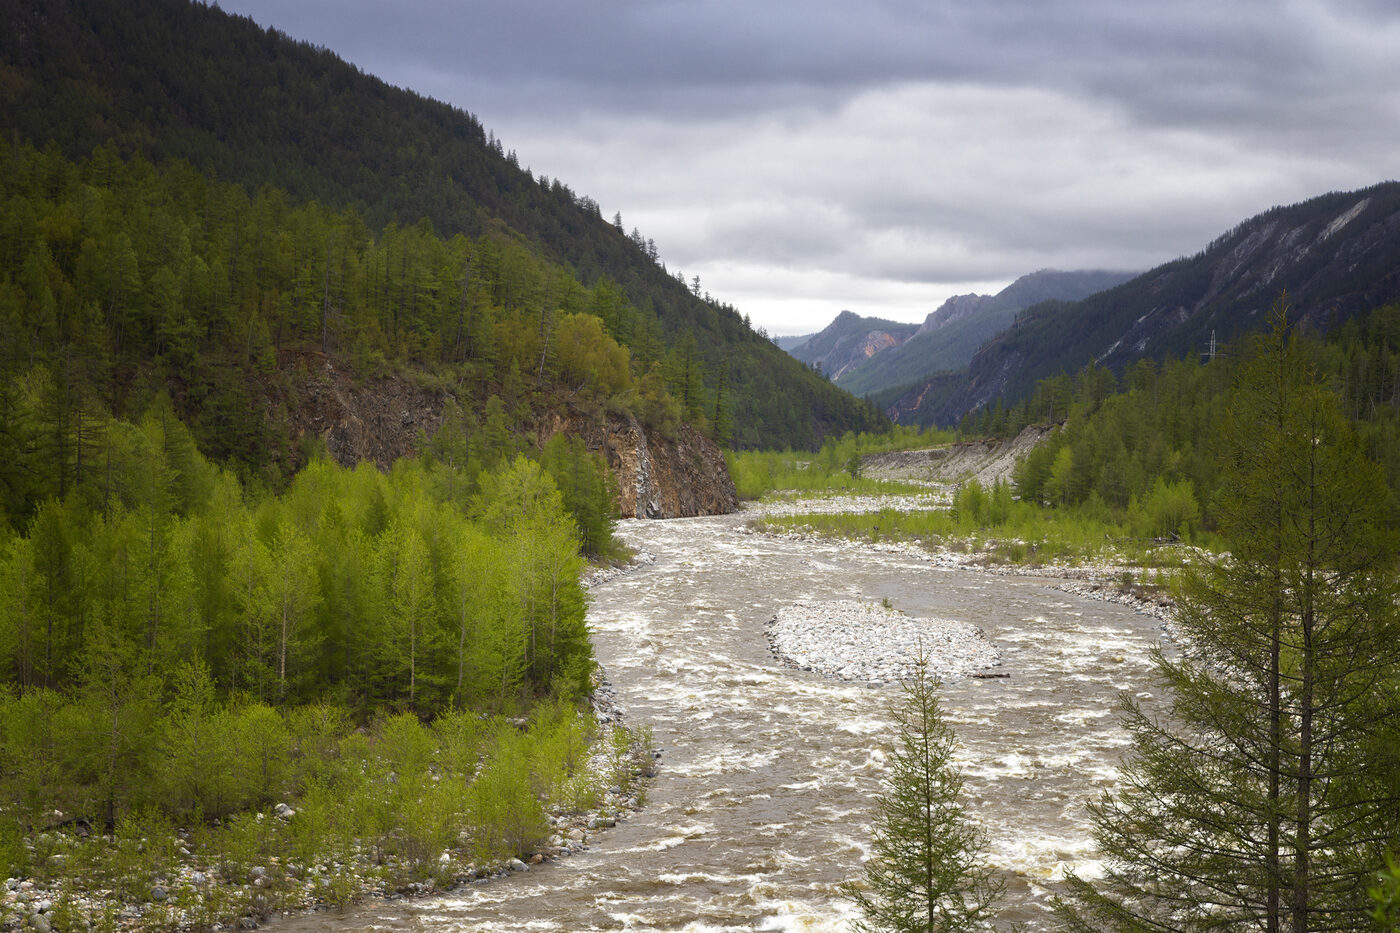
x,y
1260,800
522,501
292,592
925,871
408,584
490,624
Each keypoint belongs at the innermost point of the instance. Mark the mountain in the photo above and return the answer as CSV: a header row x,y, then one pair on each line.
x,y
1334,256
173,80
950,336
788,343
849,341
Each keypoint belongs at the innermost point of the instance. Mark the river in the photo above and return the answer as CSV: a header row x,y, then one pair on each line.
x,y
762,804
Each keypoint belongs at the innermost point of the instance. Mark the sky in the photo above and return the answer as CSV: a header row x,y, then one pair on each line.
x,y
805,157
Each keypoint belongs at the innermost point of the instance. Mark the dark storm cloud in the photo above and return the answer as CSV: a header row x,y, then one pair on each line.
x,y
1184,60
900,150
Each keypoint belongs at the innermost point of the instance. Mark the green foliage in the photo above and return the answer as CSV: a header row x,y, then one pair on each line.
x,y
1146,447
1168,511
1002,529
354,584
976,506
925,872
836,467
1260,798
506,816
589,492
1386,895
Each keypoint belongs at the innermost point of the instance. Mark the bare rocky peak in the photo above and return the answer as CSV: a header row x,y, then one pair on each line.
x,y
954,309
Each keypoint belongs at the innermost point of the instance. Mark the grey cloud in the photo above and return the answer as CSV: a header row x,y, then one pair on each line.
x,y
902,143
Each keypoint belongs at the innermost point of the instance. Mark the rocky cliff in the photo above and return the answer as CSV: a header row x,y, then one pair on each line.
x,y
657,476
382,420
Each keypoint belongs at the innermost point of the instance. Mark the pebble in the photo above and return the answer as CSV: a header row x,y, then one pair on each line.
x,y
872,643
597,575
846,505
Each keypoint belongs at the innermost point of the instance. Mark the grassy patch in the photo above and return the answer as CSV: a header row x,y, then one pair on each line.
x,y
1001,529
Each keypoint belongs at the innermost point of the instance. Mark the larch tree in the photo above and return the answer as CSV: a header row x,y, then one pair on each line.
x,y
412,611
1259,800
925,872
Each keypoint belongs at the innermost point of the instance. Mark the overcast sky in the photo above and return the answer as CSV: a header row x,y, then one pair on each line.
x,y
809,156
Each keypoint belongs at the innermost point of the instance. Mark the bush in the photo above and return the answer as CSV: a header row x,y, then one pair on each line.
x,y
1168,510
506,817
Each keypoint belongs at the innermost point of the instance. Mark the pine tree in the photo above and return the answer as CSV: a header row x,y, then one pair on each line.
x,y
1258,801
925,872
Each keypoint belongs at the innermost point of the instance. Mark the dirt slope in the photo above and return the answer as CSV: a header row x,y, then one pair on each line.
x,y
985,461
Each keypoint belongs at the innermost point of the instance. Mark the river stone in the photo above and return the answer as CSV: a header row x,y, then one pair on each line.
x,y
871,643
39,924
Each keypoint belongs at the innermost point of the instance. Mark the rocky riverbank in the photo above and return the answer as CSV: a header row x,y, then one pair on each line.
x,y
193,890
876,644
1124,584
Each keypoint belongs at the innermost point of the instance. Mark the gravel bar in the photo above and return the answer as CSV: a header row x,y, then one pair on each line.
x,y
871,643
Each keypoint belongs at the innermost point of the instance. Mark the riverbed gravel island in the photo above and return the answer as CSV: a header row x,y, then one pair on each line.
x,y
876,644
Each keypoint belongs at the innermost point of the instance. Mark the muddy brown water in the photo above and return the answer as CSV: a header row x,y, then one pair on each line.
x,y
762,805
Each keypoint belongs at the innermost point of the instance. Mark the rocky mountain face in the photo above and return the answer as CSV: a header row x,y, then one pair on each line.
x,y
1332,257
850,340
954,309
950,336
382,420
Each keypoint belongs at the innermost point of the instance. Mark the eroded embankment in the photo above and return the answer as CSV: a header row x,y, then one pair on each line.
x,y
985,461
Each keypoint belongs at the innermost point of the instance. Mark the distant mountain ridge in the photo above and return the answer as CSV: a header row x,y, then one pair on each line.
x,y
1334,256
950,335
788,343
849,341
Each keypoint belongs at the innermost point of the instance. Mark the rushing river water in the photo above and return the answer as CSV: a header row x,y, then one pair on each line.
x,y
763,801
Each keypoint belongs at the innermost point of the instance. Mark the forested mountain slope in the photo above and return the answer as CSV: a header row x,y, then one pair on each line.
x,y
171,79
950,335
1335,256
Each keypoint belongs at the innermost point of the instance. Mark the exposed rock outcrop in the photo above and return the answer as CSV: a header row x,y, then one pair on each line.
x,y
657,476
987,461
382,420
378,421
850,340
